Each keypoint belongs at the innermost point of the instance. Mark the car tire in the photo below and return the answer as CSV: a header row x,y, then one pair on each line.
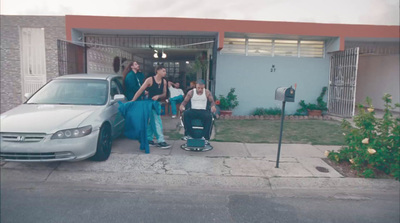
x,y
104,144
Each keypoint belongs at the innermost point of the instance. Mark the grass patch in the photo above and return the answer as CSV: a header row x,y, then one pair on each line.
x,y
172,134
315,132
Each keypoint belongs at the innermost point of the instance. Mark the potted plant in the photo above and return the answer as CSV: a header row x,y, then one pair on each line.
x,y
314,109
226,104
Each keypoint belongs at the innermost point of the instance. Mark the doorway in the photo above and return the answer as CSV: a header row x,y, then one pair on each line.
x,y
33,60
342,82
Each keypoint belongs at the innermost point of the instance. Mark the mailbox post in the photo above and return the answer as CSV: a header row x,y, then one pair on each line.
x,y
284,94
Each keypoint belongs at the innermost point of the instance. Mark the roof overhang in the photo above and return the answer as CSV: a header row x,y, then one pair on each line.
x,y
167,25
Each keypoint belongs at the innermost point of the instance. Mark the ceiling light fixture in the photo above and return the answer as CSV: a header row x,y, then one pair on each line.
x,y
159,54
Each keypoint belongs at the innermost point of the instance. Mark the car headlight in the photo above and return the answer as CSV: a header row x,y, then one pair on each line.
x,y
72,133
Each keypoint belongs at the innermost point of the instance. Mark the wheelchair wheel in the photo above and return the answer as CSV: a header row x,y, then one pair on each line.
x,y
196,149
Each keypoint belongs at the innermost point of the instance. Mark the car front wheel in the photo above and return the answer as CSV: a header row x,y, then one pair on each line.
x,y
104,143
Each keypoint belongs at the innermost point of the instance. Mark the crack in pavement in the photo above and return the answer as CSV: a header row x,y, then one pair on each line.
x,y
58,164
228,167
164,163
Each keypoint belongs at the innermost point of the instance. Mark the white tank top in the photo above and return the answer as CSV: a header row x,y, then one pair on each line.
x,y
199,101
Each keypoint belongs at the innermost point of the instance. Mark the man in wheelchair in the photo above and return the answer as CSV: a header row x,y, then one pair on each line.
x,y
198,98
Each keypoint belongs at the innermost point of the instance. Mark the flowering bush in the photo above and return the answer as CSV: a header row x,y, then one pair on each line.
x,y
229,102
374,145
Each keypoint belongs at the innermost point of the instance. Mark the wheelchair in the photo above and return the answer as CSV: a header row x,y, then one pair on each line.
x,y
196,142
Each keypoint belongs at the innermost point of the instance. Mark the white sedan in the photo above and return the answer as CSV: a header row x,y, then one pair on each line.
x,y
72,117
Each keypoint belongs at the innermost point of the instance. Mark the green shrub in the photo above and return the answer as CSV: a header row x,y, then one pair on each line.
x,y
321,104
374,145
267,111
229,102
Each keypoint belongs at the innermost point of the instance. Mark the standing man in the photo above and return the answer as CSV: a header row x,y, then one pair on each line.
x,y
157,90
198,98
133,80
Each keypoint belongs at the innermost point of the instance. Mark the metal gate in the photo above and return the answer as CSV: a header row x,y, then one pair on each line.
x,y
71,58
342,82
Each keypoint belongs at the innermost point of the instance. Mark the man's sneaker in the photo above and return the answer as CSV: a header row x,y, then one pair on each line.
x,y
164,145
174,116
186,138
151,143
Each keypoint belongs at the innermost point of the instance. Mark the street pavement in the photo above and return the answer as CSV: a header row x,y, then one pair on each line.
x,y
234,182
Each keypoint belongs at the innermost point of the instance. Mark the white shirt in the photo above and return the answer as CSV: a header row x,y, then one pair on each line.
x,y
199,101
173,92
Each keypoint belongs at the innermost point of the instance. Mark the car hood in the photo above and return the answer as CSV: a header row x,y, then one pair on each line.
x,y
44,118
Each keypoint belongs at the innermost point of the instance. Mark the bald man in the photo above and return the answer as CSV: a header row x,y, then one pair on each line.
x,y
198,97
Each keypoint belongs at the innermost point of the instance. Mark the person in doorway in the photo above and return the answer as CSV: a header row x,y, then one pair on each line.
x,y
157,90
198,97
176,96
132,80
191,86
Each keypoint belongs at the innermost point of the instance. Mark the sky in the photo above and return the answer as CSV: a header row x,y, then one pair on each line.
x,y
375,12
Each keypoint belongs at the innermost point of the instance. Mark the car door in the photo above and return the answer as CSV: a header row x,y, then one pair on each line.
x,y
118,120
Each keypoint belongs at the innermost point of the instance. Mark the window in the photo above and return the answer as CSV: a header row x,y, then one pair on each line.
x,y
286,48
235,45
259,47
311,48
119,82
115,88
274,47
69,91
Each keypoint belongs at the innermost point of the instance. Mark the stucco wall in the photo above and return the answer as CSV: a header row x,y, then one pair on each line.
x,y
255,83
54,28
378,75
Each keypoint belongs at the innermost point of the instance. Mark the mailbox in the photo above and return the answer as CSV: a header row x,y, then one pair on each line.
x,y
285,94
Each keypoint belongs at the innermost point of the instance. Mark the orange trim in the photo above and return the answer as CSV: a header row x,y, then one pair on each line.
x,y
221,26
221,38
342,42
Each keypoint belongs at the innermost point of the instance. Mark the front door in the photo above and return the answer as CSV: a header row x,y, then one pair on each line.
x,y
342,82
33,60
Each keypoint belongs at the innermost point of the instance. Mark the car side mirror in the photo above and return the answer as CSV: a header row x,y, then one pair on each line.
x,y
118,97
27,95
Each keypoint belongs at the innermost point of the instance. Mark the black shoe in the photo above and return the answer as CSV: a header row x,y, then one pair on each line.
x,y
151,143
164,145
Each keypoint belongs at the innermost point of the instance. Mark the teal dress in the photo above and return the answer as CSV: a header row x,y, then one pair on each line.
x,y
132,84
137,114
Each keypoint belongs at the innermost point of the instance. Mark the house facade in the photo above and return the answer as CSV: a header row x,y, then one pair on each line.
x,y
254,57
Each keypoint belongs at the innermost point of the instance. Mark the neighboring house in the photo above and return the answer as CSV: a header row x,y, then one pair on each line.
x,y
28,55
255,57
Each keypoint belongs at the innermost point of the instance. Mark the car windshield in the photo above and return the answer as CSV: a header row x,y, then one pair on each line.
x,y
74,92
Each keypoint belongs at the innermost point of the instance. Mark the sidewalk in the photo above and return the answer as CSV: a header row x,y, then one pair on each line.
x,y
229,166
